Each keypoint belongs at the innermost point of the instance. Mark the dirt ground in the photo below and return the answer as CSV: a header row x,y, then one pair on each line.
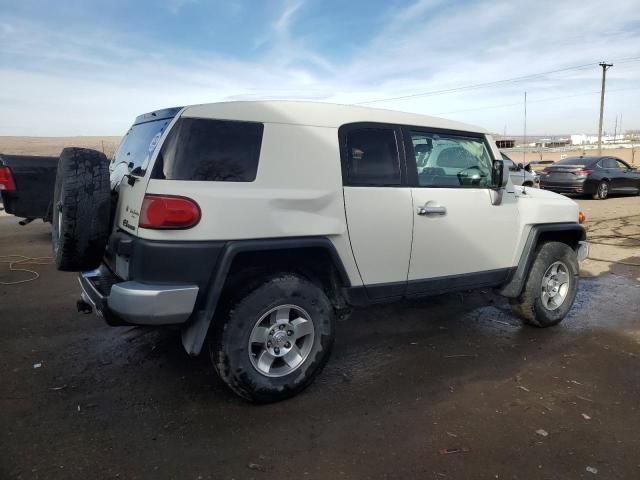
x,y
54,145
79,399
629,155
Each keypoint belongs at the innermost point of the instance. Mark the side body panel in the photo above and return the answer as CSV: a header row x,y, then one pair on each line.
x,y
297,192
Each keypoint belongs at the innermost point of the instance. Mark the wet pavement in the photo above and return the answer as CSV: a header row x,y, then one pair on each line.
x,y
455,372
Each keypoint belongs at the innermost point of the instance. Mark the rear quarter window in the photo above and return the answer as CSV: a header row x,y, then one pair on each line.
x,y
210,150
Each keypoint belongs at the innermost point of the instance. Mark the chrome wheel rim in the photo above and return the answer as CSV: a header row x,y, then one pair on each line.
x,y
603,190
281,340
555,285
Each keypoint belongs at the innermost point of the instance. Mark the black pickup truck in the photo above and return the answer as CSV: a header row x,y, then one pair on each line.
x,y
26,186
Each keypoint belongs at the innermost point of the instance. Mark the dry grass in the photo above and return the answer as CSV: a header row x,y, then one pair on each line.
x,y
54,145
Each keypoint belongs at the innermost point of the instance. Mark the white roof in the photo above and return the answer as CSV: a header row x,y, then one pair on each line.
x,y
317,114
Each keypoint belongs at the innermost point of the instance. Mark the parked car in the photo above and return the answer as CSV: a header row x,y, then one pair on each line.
x,y
595,176
253,225
538,165
521,175
26,185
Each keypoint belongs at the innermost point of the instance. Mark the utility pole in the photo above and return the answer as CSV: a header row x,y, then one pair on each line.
x,y
620,128
615,129
524,150
604,66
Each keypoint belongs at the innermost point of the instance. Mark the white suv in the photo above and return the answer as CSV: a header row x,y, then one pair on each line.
x,y
254,224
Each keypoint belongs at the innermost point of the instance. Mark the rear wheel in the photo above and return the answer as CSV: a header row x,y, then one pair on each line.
x,y
274,339
81,209
550,288
602,191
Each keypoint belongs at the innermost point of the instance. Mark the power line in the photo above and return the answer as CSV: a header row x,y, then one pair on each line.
x,y
519,104
493,83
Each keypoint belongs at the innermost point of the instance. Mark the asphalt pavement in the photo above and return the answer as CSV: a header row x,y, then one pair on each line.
x,y
447,387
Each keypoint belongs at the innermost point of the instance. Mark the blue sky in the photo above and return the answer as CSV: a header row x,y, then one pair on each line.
x,y
89,67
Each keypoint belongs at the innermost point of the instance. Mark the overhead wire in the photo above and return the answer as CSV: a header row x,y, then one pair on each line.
x,y
549,99
493,83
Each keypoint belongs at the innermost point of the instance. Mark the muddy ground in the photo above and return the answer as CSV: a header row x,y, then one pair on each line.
x,y
447,372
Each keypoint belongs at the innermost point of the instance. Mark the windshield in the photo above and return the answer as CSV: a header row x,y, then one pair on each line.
x,y
138,145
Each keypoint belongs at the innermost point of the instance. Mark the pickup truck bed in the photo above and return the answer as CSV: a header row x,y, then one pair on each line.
x,y
34,178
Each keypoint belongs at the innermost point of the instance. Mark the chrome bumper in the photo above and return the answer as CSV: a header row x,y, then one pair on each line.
x,y
134,302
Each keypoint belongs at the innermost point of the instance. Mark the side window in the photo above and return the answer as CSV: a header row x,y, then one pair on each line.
x,y
213,150
609,163
445,160
622,165
372,157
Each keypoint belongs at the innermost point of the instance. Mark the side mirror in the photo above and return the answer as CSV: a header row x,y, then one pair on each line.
x,y
499,175
520,166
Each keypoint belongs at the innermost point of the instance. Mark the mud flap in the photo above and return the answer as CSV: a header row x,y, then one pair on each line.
x,y
195,333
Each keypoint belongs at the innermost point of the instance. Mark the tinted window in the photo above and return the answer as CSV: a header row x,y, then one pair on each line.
x,y
622,165
609,163
510,165
372,157
138,144
214,150
577,161
451,160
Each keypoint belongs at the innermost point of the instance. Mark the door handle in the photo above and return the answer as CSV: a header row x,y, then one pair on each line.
x,y
432,208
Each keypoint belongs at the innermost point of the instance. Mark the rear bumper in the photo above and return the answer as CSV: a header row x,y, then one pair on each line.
x,y
132,302
577,187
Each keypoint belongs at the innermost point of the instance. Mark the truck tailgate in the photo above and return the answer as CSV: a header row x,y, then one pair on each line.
x,y
35,178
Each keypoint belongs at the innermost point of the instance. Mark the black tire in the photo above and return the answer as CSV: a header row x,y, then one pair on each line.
x,y
81,209
529,305
229,346
602,191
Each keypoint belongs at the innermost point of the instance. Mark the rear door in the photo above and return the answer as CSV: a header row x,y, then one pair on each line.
x,y
613,173
129,166
460,239
630,178
378,205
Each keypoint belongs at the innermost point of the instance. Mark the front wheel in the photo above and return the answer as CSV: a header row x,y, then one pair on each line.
x,y
602,191
274,340
550,288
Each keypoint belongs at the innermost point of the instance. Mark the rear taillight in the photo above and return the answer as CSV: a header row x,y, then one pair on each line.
x,y
544,171
583,172
6,180
168,211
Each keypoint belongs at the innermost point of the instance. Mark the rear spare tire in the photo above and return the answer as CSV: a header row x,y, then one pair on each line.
x,y
81,209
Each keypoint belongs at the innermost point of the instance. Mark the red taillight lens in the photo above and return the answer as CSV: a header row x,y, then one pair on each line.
x,y
6,180
544,171
583,172
168,211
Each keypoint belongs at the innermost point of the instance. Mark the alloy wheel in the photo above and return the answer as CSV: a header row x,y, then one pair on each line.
x,y
281,340
555,285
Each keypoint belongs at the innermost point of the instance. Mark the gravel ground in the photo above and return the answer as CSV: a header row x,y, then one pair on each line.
x,y
79,399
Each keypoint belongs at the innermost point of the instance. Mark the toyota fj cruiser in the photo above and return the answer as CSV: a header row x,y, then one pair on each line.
x,y
254,224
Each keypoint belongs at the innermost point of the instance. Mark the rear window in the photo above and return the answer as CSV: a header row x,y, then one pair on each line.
x,y
576,161
372,158
213,150
138,144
